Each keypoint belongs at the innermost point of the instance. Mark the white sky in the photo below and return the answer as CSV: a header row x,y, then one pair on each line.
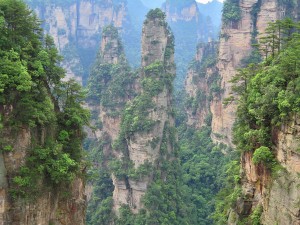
x,y
205,1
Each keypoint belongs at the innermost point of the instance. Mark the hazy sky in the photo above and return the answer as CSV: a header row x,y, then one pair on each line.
x,y
205,1
158,3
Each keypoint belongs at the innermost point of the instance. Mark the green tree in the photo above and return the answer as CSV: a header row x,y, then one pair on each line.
x,y
31,87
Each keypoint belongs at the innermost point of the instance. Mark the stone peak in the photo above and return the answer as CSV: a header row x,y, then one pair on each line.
x,y
157,39
156,14
111,47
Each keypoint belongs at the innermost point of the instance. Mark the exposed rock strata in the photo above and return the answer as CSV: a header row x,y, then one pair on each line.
x,y
277,195
186,13
51,206
235,45
200,77
76,29
157,48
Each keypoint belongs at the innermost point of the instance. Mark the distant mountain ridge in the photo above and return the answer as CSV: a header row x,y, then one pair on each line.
x,y
76,27
152,3
213,10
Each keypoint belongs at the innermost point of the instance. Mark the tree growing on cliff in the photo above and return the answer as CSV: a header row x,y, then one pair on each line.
x,y
31,86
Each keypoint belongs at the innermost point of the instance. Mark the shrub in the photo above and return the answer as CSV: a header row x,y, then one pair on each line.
x,y
263,155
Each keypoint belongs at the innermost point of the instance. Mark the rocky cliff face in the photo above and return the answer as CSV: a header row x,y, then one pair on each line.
x,y
187,12
189,28
51,206
276,197
111,85
148,118
201,76
282,203
76,28
235,45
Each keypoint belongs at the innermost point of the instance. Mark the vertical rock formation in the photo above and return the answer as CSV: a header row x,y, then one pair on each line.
x,y
138,140
274,198
48,205
185,10
111,85
281,198
76,27
146,138
41,119
235,45
189,27
200,84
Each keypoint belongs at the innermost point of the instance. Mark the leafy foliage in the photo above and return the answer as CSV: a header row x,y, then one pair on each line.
x,y
165,201
231,11
206,172
263,155
268,97
268,92
230,192
156,14
31,85
111,83
256,215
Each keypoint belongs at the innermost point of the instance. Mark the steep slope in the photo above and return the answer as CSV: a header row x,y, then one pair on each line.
x,y
76,27
201,85
41,178
145,170
146,119
189,27
267,134
239,31
267,123
111,85
269,157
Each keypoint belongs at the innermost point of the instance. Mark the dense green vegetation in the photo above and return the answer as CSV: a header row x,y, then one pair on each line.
x,y
205,166
109,83
268,97
205,171
231,11
34,97
99,209
155,14
166,200
111,86
268,91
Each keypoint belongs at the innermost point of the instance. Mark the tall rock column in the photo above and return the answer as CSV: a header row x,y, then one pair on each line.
x,y
189,27
235,45
76,28
111,85
200,85
147,136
